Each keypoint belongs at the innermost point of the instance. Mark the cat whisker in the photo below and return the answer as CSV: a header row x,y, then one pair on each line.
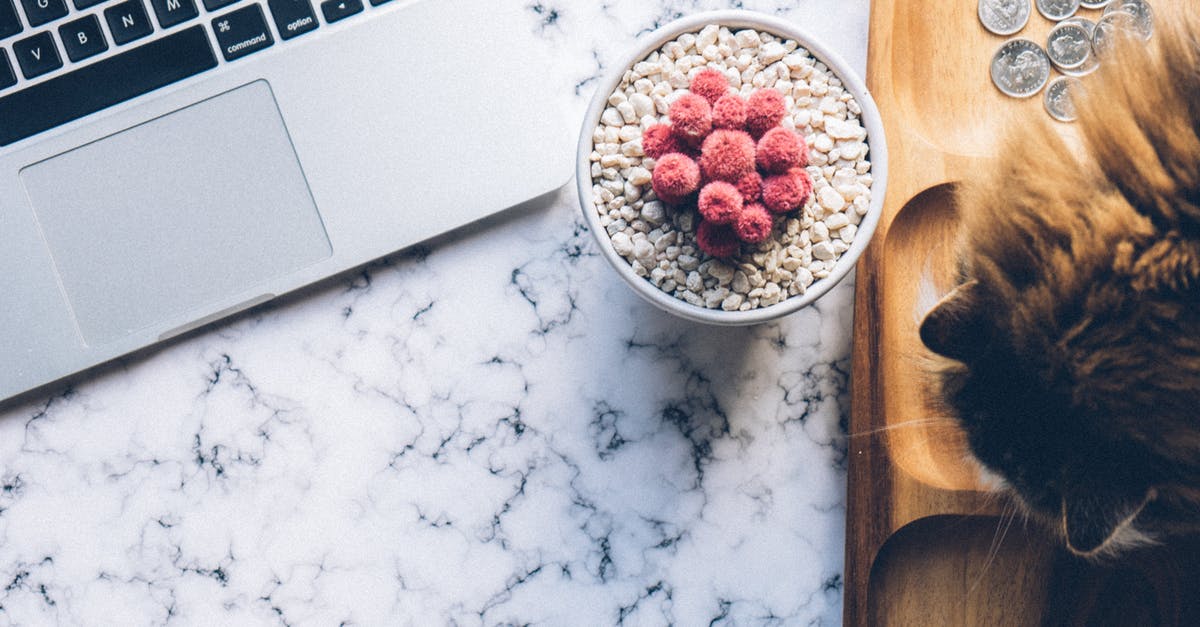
x,y
907,424
988,502
1003,524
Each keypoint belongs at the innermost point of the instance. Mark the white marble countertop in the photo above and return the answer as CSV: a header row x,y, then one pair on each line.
x,y
491,429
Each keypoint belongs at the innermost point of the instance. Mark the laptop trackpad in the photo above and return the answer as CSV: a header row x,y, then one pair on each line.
x,y
169,219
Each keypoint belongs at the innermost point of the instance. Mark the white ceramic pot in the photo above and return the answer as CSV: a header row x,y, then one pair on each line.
x,y
735,20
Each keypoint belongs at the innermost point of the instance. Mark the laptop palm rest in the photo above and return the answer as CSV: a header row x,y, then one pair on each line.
x,y
177,216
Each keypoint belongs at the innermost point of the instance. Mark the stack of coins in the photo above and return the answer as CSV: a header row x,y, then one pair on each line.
x,y
1021,68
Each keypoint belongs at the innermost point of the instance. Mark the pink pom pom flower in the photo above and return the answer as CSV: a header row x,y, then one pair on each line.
x,y
720,203
729,112
710,84
691,118
727,155
718,240
658,141
780,150
764,110
754,224
804,181
786,192
745,167
750,186
675,177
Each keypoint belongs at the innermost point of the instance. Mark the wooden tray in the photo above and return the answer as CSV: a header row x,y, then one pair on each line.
x,y
926,545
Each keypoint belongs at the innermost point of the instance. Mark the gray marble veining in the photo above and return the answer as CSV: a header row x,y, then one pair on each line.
x,y
490,429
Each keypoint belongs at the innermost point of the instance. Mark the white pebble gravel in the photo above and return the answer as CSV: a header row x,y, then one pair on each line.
x,y
659,241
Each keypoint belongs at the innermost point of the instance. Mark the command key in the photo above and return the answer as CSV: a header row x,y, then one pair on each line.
x,y
242,32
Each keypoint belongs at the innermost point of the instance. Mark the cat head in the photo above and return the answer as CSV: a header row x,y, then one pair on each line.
x,y
1071,345
1080,414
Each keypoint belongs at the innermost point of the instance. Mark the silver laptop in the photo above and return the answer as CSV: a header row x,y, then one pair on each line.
x,y
166,163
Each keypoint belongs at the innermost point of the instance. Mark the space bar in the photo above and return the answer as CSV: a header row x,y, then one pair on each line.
x,y
105,83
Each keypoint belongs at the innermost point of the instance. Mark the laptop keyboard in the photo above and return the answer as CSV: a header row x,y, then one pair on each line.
x,y
61,60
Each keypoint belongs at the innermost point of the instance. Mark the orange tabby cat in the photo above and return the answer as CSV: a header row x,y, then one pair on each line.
x,y
1072,344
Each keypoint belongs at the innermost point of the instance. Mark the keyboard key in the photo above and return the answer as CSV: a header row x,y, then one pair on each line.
x,y
41,11
8,77
292,17
172,12
128,21
37,55
335,10
242,32
213,5
104,83
85,4
376,3
82,38
10,24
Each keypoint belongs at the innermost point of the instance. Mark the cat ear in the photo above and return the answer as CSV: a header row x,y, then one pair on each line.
x,y
956,327
1094,523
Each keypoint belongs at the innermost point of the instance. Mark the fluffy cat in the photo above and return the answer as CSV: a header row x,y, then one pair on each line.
x,y
1070,351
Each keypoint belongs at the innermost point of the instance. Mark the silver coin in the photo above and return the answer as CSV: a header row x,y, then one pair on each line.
x,y
1094,5
1020,68
1120,6
1057,9
1058,98
1004,17
1091,65
1109,28
1087,24
1143,17
1068,45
